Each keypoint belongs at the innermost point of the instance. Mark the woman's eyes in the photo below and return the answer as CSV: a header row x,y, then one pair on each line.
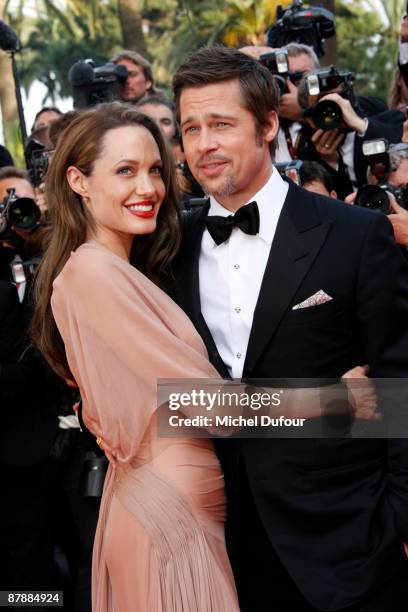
x,y
156,170
127,171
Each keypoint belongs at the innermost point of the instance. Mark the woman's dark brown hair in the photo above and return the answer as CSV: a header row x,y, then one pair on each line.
x,y
209,65
71,222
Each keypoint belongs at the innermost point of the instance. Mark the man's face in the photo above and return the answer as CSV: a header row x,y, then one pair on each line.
x,y
222,148
163,116
136,85
319,187
23,188
301,63
399,178
46,118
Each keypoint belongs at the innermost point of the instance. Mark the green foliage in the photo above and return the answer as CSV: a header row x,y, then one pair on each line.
x,y
61,32
60,35
366,46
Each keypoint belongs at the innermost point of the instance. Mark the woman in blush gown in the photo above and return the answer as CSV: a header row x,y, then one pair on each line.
x,y
159,545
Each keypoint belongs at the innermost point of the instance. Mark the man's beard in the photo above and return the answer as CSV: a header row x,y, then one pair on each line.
x,y
226,188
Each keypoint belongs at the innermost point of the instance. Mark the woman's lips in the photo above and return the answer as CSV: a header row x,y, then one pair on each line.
x,y
144,210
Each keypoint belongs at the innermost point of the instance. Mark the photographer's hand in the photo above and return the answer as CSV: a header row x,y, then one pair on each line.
x,y
40,198
289,107
399,221
326,144
350,117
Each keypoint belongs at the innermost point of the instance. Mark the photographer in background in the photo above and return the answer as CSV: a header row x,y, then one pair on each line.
x,y
314,177
161,111
28,429
340,148
140,80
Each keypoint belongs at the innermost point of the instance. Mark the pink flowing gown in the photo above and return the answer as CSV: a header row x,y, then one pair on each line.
x,y
159,545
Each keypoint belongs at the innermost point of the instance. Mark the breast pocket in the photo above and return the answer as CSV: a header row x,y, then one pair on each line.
x,y
331,309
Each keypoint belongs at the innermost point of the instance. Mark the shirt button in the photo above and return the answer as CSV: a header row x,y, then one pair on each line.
x,y
238,355
238,309
236,266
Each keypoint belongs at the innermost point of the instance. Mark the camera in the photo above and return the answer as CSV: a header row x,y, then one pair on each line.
x,y
309,25
382,159
22,213
93,85
290,169
327,114
38,158
278,65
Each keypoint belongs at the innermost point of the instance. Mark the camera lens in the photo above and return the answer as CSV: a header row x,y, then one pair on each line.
x,y
373,197
327,115
24,213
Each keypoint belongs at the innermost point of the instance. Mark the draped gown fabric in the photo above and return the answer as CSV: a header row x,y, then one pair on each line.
x,y
159,545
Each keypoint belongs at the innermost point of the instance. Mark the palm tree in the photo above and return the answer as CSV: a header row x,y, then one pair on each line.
x,y
8,101
394,10
130,16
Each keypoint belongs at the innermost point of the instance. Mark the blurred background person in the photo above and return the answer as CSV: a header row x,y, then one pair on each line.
x,y
161,111
140,80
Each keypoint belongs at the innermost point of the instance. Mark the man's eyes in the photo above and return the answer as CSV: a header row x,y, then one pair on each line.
x,y
218,124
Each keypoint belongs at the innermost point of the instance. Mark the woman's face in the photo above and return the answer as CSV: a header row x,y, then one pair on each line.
x,y
125,190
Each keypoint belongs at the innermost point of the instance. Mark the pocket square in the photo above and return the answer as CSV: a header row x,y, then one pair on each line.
x,y
321,297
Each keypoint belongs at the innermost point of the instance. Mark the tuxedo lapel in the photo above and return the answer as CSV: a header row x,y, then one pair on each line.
x,y
299,236
192,288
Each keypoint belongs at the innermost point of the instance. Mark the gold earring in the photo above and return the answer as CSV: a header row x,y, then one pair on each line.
x,y
85,200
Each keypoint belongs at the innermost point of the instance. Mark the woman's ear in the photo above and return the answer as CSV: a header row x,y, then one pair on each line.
x,y
77,181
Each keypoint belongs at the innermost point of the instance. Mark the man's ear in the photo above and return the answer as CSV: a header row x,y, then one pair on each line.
x,y
149,85
77,181
271,129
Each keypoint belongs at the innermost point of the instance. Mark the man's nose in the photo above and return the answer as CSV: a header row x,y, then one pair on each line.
x,y
207,141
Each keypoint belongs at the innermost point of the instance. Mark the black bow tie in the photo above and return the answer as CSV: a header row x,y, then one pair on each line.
x,y
246,218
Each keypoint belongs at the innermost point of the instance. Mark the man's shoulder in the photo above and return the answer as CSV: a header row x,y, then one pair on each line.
x,y
329,209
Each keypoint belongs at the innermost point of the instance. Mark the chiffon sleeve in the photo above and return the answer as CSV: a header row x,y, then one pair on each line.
x,y
121,333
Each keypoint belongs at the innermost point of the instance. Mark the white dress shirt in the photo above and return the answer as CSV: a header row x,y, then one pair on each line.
x,y
282,155
231,274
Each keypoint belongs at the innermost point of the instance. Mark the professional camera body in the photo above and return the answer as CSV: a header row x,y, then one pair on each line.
x,y
22,213
382,160
309,25
38,158
277,63
93,85
326,114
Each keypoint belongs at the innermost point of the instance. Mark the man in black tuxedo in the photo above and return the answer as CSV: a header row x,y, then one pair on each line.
x,y
313,524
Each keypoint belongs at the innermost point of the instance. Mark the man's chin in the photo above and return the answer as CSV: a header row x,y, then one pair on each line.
x,y
224,188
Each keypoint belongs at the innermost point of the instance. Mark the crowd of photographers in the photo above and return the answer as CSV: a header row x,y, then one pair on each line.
x,y
331,141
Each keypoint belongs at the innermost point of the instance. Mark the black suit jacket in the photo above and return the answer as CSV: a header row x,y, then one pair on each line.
x,y
335,510
28,425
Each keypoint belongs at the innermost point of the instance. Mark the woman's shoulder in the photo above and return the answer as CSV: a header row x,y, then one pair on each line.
x,y
91,266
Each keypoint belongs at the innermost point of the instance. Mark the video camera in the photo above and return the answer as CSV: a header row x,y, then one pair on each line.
x,y
309,25
382,160
93,85
22,213
278,65
327,114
